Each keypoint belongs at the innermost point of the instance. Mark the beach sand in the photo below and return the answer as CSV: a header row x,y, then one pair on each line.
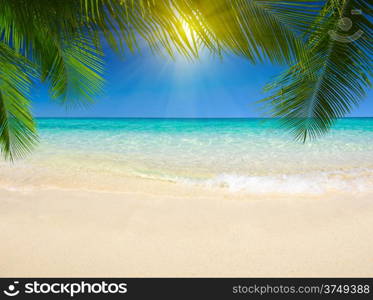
x,y
163,229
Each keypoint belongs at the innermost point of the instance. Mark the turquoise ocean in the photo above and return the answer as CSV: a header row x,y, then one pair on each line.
x,y
253,156
248,155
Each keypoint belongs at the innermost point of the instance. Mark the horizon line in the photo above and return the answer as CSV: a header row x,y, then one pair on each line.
x,y
168,118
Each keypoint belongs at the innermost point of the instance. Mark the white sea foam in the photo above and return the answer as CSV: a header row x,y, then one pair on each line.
x,y
295,184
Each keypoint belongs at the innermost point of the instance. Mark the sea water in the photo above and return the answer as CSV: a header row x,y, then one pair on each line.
x,y
241,155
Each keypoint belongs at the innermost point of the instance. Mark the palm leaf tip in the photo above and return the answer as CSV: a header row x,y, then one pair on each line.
x,y
17,128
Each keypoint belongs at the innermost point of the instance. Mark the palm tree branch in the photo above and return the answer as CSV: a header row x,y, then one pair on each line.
x,y
17,128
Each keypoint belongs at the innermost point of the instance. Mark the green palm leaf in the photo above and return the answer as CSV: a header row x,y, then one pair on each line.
x,y
75,71
332,79
53,35
17,129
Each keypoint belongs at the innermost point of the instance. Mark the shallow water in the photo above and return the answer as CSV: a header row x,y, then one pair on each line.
x,y
250,155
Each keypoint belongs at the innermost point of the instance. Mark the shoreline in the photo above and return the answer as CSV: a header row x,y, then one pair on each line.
x,y
94,175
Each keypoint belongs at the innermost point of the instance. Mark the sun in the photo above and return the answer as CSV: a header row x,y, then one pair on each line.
x,y
189,32
190,37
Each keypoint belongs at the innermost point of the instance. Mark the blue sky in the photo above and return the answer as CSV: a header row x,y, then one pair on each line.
x,y
143,85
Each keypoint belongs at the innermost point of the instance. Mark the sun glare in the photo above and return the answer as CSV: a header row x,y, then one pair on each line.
x,y
189,32
193,46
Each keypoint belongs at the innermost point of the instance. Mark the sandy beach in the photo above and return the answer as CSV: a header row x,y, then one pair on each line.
x,y
171,230
188,198
186,138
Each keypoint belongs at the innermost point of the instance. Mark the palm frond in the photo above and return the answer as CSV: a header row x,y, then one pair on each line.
x,y
75,72
17,129
332,79
53,35
256,29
